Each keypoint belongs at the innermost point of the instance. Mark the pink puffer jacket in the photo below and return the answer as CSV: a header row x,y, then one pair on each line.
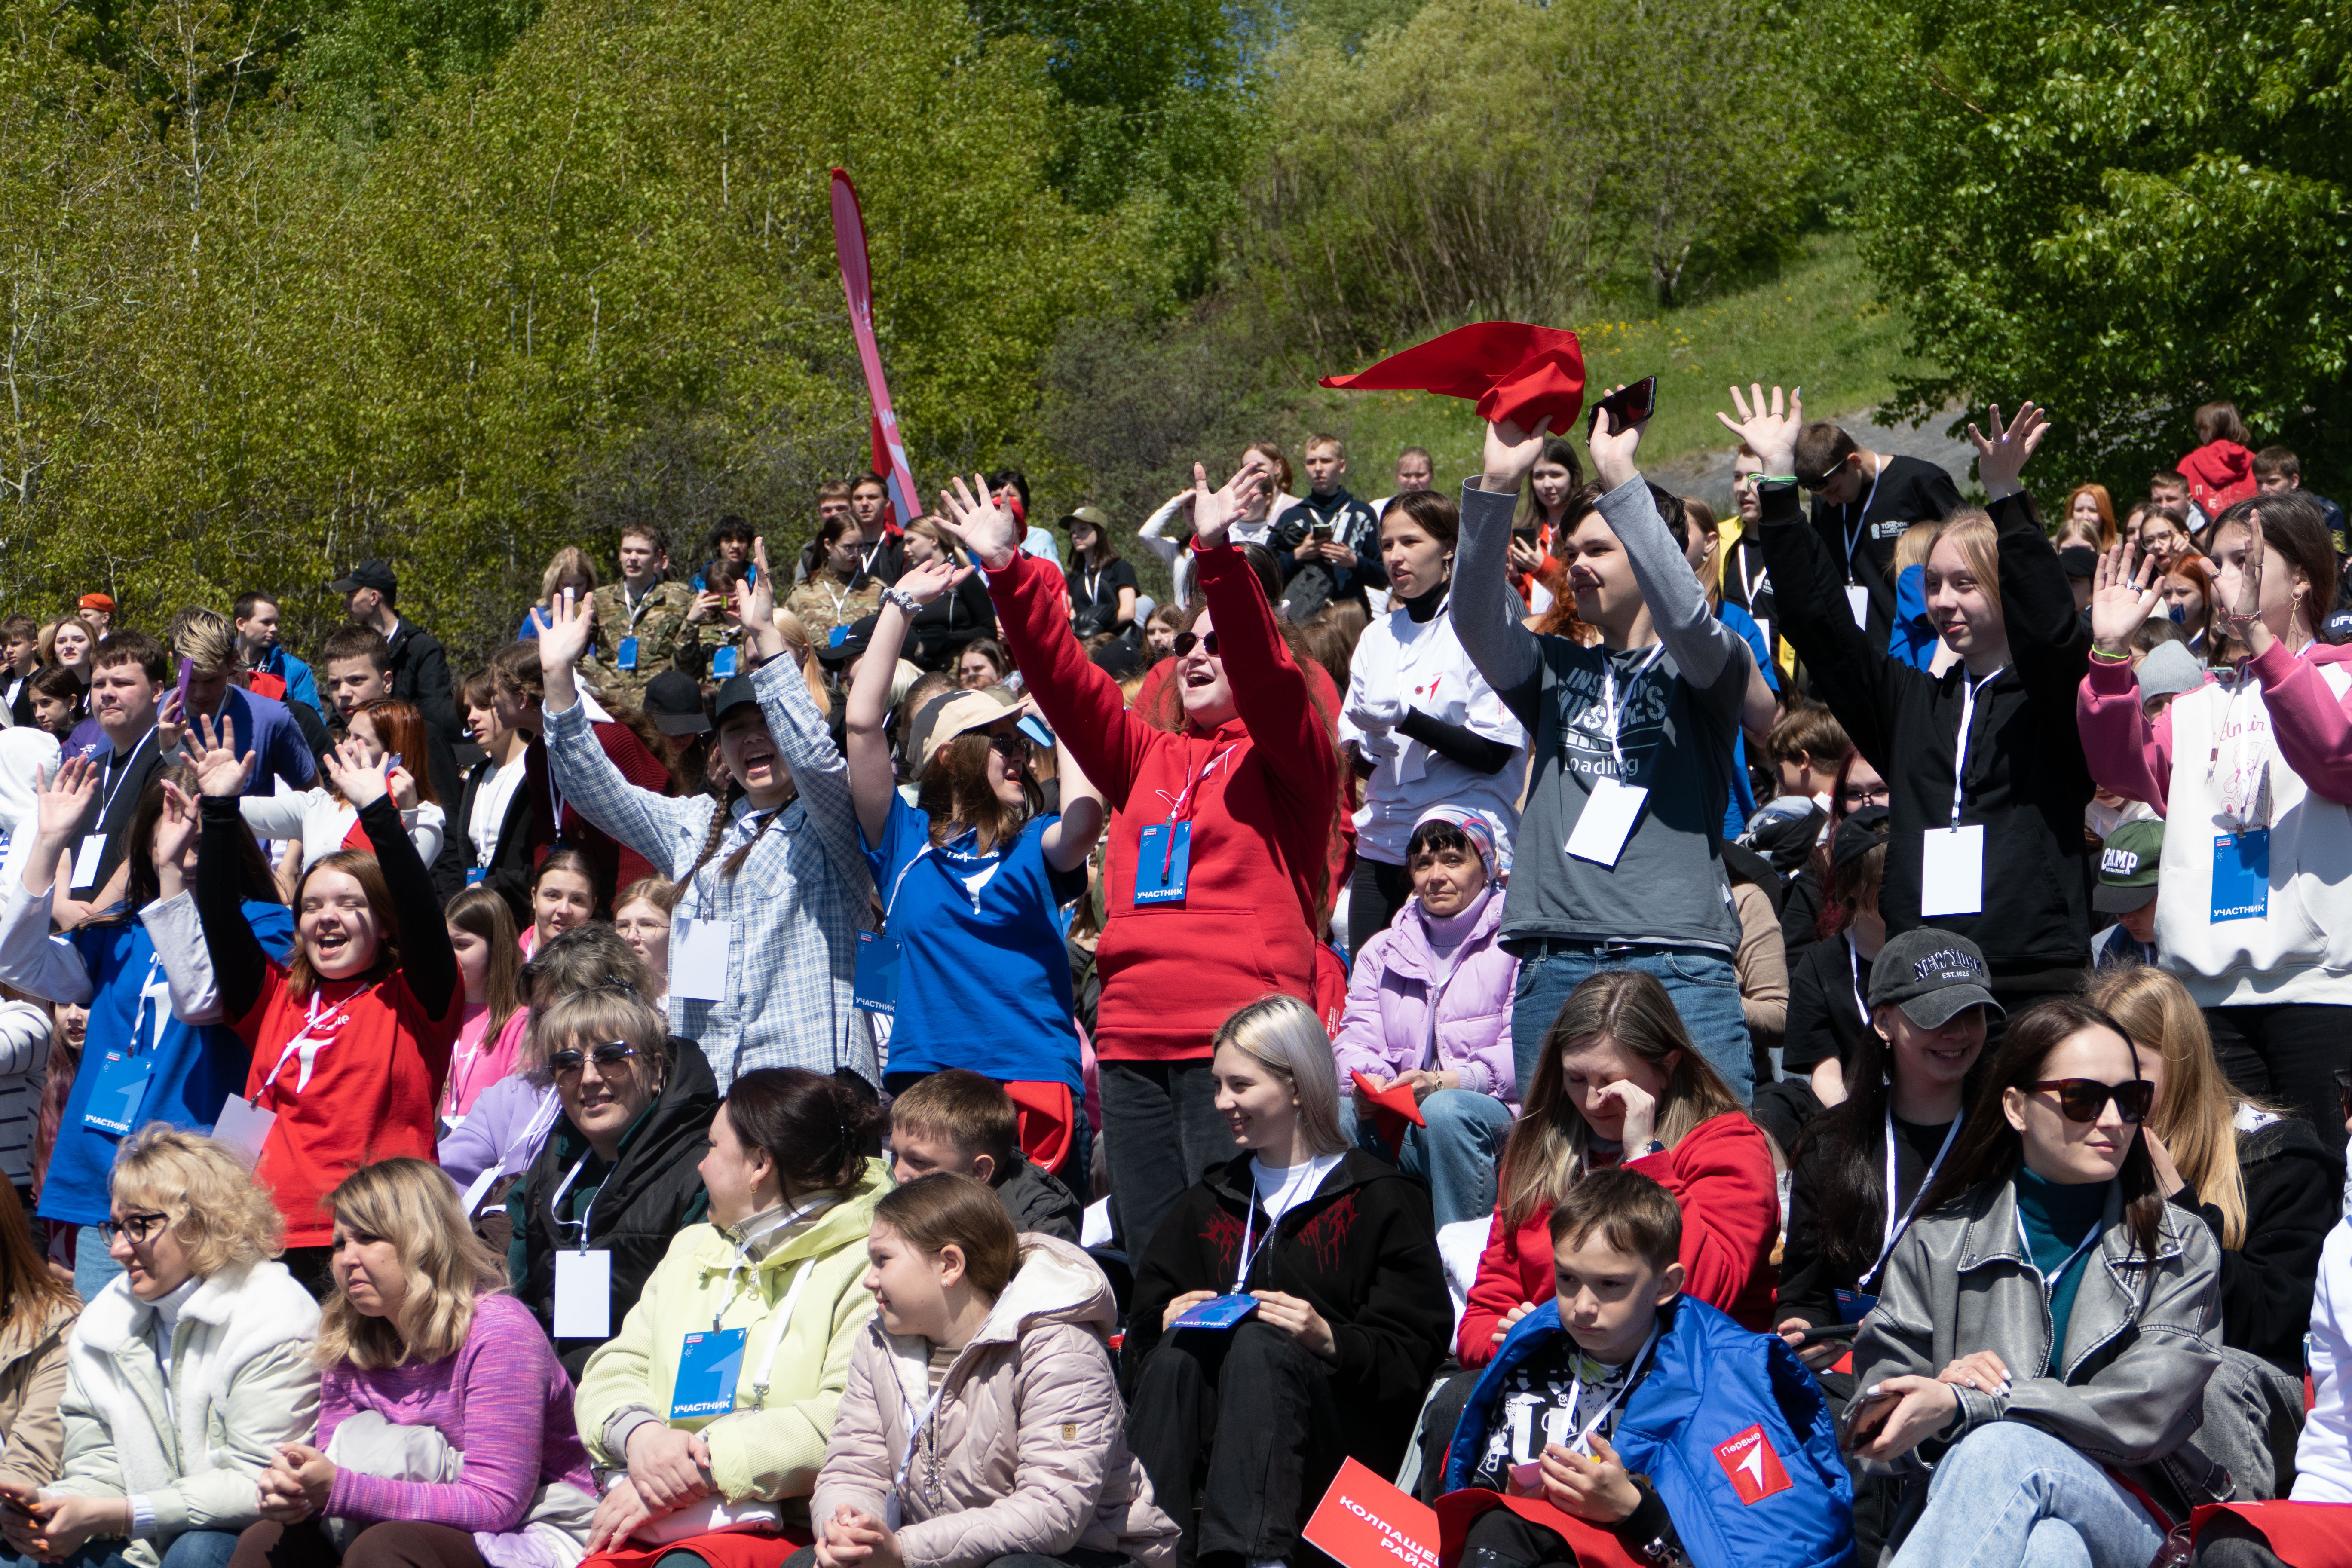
x,y
1385,1030
1027,1451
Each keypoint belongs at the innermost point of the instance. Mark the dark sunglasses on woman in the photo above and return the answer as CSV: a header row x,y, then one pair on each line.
x,y
608,1056
1186,641
2080,1099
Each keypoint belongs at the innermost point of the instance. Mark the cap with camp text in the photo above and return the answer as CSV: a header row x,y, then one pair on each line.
x,y
2128,867
1932,975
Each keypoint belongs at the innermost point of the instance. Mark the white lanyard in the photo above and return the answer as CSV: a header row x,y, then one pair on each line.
x,y
915,1431
1176,808
1747,584
1614,714
307,1039
782,1321
1896,1227
814,1205
2051,1281
1576,1396
1093,586
839,600
636,607
107,803
1854,967
1273,1222
1853,534
555,1204
1968,689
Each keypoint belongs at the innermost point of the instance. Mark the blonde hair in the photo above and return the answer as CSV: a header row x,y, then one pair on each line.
x,y
206,640
218,1212
1549,1142
568,564
2196,1110
1916,544
1970,532
594,1016
1282,1035
411,1204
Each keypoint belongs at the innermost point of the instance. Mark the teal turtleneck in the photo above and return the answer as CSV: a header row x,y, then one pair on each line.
x,y
2058,1216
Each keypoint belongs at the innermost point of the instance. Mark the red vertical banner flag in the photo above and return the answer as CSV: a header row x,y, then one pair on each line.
x,y
857,284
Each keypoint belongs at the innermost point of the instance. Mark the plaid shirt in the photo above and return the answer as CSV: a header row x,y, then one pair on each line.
x,y
794,908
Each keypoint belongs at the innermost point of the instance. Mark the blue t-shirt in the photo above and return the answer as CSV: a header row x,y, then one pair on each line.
x,y
984,976
197,1066
265,729
1742,804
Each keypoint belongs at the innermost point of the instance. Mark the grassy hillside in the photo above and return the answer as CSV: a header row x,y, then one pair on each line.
x,y
1814,326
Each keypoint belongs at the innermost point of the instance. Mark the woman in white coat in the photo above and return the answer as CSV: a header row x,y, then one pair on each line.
x,y
1426,728
184,1375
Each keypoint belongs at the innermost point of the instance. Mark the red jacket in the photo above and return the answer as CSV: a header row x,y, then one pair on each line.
x,y
2219,473
1264,808
1721,1175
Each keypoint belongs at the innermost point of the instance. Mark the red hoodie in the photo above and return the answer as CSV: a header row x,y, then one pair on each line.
x,y
2219,473
1721,1175
1263,807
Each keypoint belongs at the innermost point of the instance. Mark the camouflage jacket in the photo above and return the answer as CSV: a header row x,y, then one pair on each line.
x,y
661,630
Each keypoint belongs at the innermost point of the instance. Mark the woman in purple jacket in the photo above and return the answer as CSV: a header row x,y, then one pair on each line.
x,y
1429,1005
427,1374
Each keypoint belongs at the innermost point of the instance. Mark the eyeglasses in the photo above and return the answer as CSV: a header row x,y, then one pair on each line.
x,y
1866,794
608,1056
138,1229
1187,641
2082,1098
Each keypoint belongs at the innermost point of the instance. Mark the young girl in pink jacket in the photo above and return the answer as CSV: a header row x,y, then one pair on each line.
x,y
981,1421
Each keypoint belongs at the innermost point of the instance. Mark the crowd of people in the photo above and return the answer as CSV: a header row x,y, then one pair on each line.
x,y
1811,1035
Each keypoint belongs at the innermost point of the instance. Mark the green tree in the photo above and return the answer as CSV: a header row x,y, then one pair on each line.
x,y
2120,210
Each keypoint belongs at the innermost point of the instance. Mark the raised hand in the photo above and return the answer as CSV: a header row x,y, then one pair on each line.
x,y
1215,511
1511,455
975,521
2122,598
220,772
2242,611
60,803
359,781
926,582
565,629
1770,430
2001,458
175,829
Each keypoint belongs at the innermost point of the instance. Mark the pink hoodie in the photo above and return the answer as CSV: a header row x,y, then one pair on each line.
x,y
2300,949
2219,473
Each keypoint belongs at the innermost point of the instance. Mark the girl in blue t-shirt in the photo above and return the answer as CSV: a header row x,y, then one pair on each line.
x,y
973,876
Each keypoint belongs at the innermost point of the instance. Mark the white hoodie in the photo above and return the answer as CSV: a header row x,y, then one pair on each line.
x,y
2322,1460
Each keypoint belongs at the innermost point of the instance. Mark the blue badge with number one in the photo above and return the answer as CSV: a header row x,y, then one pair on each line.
x,y
1217,1312
873,988
121,1090
2241,875
722,664
706,1370
1163,858
626,655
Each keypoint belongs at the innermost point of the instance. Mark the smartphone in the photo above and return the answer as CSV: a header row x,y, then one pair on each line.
x,y
391,761
1321,533
187,669
1829,1333
1863,1419
1526,536
1627,406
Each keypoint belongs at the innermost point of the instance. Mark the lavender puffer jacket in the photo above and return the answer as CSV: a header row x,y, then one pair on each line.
x,y
1385,1030
1027,1451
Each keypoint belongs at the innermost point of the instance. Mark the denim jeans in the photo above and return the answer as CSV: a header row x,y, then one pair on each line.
x,y
1702,983
94,1270
1456,1153
2011,1495
189,1548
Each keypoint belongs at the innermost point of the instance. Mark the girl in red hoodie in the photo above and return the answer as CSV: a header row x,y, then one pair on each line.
x,y
1619,1083
1219,861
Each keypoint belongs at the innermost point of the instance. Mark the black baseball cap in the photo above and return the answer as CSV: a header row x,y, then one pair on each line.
x,y
1857,836
736,693
368,573
673,702
2079,561
1931,974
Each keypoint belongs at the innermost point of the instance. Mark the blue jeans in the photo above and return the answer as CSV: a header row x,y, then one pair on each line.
x,y
189,1548
94,1270
2011,1495
1456,1153
1701,982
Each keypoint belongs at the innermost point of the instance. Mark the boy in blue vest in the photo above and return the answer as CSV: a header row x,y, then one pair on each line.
x,y
1620,1421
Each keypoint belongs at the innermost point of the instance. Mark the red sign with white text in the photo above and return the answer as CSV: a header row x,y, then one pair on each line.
x,y
1754,1469
1365,1522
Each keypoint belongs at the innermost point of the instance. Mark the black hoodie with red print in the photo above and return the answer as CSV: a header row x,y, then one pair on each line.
x,y
1362,1251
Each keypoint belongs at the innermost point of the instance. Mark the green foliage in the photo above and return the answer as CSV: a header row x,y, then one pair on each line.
x,y
599,279
1495,158
2121,210
366,59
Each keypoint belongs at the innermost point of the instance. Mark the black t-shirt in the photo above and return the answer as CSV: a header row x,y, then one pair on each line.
x,y
1560,1390
1825,1016
1861,535
1809,1286
1093,594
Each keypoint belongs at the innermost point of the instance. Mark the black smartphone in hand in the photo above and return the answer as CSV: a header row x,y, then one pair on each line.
x,y
1626,407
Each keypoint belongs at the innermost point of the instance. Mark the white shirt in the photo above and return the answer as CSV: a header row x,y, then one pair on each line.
x,y
491,798
1281,1188
1422,665
322,822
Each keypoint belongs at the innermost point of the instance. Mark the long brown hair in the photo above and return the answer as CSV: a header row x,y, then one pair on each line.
x,y
1990,1150
29,1294
362,867
484,914
399,726
955,794
2196,1110
1549,1142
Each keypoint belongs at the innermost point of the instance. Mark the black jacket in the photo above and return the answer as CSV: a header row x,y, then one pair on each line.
x,y
1362,1252
508,871
1038,1202
2027,782
935,636
2294,1185
650,1195
420,674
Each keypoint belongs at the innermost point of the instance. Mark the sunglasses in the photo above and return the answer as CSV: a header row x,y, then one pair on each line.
x,y
1187,641
1010,746
2082,1098
1821,480
137,1227
609,1056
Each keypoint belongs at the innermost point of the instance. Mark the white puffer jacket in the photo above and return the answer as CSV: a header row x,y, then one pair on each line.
x,y
242,1382
1027,1451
